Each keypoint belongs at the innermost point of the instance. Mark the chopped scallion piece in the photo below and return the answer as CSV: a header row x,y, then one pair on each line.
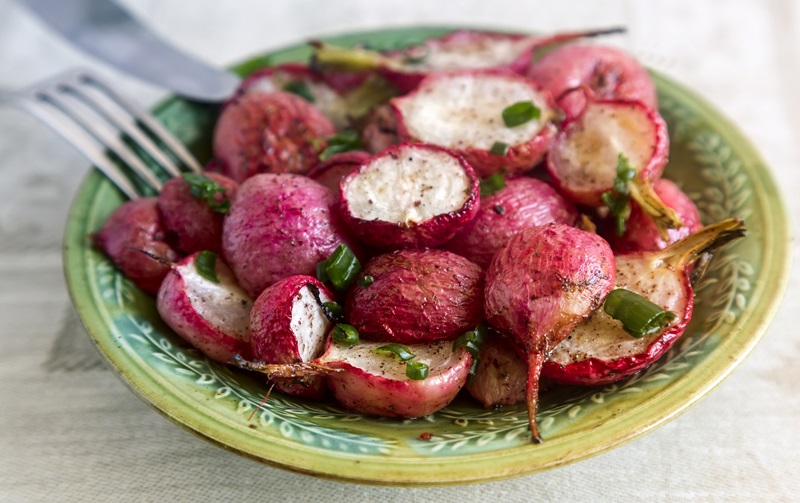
x,y
301,89
499,148
206,265
473,340
341,268
492,184
395,349
639,316
416,370
618,198
203,187
519,113
341,142
334,308
345,334
366,280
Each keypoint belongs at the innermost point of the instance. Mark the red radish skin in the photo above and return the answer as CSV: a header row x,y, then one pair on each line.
x,y
410,196
522,203
288,326
599,351
331,171
191,225
641,234
380,129
279,225
377,385
540,284
213,317
274,132
417,296
609,72
463,111
501,375
134,228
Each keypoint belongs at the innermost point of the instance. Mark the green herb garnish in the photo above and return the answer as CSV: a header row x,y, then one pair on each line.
x,y
301,89
341,268
491,184
416,370
206,265
639,316
519,113
365,281
345,141
618,199
499,148
395,349
473,341
203,187
345,334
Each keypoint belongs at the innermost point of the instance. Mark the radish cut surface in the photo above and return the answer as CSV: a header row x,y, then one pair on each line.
x,y
309,324
439,357
224,305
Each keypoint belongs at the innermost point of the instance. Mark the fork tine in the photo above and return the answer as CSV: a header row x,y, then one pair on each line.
x,y
145,118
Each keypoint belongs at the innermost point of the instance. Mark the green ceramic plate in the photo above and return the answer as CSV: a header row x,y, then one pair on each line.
x,y
710,160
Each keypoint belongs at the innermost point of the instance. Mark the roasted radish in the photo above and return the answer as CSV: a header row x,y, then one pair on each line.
x,y
411,195
131,237
276,132
192,208
600,350
499,121
540,284
279,225
416,296
288,324
379,130
202,302
521,203
500,375
332,170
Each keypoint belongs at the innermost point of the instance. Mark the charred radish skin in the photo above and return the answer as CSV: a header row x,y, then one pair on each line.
x,y
410,196
541,283
464,111
599,351
207,308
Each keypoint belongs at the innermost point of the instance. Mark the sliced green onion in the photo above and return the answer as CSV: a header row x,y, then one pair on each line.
x,y
491,184
203,187
345,334
639,316
499,148
334,308
345,141
341,268
395,349
365,281
301,89
473,340
206,265
331,310
519,113
416,370
618,199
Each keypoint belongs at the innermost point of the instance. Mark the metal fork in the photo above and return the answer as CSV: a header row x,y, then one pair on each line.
x,y
118,136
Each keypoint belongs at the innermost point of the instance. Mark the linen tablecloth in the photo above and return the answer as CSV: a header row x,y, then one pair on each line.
x,y
71,431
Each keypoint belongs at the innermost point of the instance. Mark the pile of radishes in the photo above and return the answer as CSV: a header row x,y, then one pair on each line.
x,y
389,228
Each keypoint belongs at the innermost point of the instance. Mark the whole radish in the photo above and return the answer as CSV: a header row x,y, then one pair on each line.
x,y
540,284
202,302
332,170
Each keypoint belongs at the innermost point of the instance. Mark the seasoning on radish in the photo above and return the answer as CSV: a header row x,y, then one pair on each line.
x,y
411,195
203,303
599,350
464,111
500,375
540,284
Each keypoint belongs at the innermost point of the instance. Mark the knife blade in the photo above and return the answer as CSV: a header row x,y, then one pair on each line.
x,y
107,31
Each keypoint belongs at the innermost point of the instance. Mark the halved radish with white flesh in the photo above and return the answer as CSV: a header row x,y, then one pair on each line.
x,y
473,114
588,153
500,375
416,296
288,325
410,196
600,350
462,49
202,302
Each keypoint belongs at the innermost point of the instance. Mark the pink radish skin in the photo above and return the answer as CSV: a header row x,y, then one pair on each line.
x,y
377,384
540,284
212,317
609,72
333,170
463,111
190,223
288,326
522,203
641,234
380,129
133,228
410,196
501,374
417,296
274,132
279,225
599,351
583,158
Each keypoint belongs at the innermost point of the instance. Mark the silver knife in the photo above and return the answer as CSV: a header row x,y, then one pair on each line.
x,y
107,31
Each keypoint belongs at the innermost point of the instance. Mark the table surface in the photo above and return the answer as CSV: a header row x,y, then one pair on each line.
x,y
71,431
